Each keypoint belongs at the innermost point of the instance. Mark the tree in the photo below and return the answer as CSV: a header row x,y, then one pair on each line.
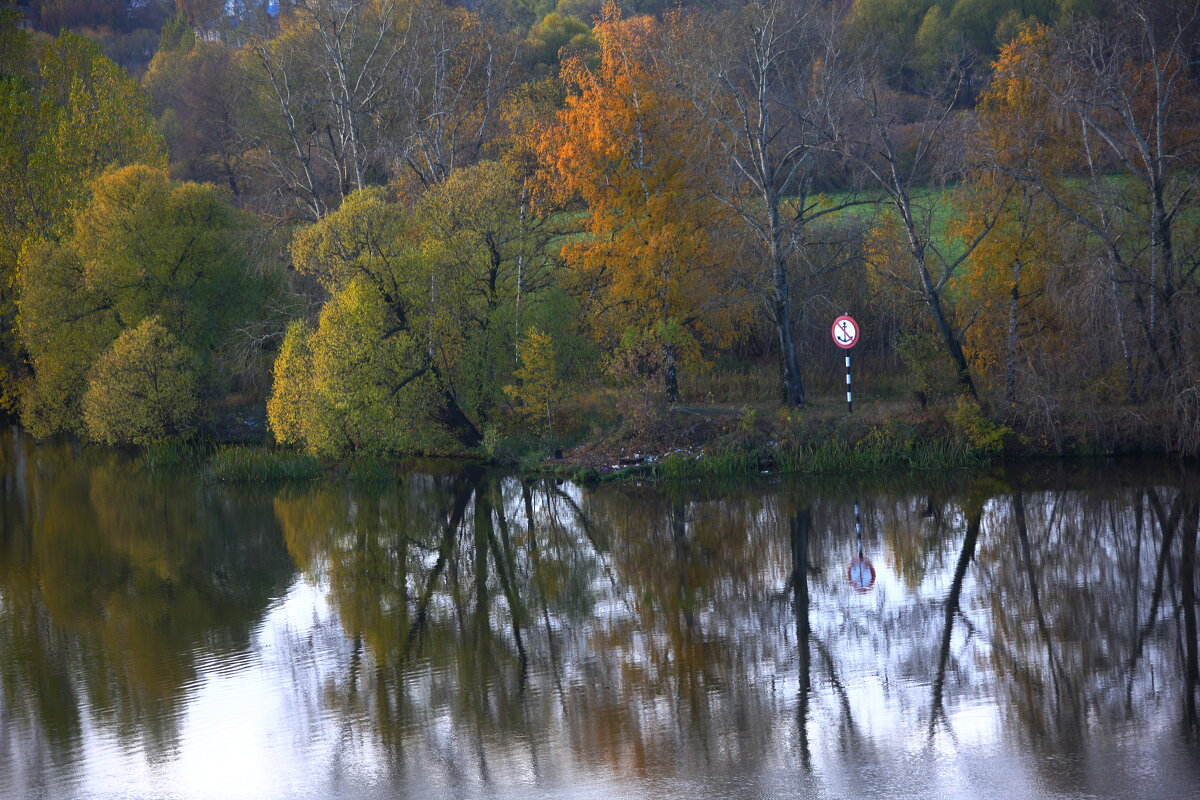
x,y
200,93
67,113
290,407
1004,279
64,325
1116,106
383,318
357,382
765,90
922,34
143,246
351,94
653,254
492,248
540,388
906,160
548,38
423,317
142,389
1132,96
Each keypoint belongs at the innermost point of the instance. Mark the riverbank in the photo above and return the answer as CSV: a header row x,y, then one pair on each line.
x,y
880,434
687,441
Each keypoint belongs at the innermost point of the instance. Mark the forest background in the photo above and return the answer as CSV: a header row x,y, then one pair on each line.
x,y
391,227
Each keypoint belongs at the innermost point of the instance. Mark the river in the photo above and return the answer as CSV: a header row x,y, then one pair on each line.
x,y
458,633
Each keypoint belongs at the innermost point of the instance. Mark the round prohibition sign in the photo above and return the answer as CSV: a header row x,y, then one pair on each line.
x,y
845,332
861,574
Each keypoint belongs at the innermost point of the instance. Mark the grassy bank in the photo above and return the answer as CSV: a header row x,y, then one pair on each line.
x,y
753,443
685,442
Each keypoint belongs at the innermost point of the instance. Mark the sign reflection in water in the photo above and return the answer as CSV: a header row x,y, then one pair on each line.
x,y
469,634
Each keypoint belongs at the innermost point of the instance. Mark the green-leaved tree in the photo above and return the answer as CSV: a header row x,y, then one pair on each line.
x,y
143,246
142,389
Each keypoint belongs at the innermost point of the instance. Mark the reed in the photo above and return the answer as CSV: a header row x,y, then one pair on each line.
x,y
241,464
172,455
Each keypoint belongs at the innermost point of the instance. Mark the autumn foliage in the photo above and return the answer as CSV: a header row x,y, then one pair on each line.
x,y
654,249
404,226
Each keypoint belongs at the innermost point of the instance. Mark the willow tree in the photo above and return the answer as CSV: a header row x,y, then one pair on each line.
x,y
143,247
412,333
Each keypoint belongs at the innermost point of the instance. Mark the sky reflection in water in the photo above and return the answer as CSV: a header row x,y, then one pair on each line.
x,y
467,635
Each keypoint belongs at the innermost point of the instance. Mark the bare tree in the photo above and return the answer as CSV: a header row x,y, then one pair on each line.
x,y
363,91
905,147
760,80
1131,97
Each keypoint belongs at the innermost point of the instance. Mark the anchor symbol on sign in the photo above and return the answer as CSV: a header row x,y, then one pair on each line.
x,y
844,336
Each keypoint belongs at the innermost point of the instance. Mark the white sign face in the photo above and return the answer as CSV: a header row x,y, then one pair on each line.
x,y
845,332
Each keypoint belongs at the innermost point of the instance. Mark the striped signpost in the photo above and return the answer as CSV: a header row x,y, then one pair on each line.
x,y
845,336
861,571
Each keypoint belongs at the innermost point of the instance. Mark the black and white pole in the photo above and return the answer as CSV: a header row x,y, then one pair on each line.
x,y
849,393
858,529
845,336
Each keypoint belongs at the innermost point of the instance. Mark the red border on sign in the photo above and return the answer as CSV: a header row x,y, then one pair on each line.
x,y
833,332
861,589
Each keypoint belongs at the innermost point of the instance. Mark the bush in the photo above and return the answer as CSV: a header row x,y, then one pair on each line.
x,y
639,366
142,389
978,431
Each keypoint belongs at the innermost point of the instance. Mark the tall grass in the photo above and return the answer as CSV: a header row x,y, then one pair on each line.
x,y
723,463
241,464
838,456
367,469
823,458
173,455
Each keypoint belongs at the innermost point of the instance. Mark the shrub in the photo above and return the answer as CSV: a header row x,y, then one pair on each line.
x,y
977,430
142,389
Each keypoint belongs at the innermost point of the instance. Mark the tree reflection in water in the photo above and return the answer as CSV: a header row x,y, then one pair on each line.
x,y
119,591
489,629
649,626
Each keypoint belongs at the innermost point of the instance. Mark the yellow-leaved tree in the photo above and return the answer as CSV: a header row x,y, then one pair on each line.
x,y
67,114
1003,281
141,247
652,257
540,389
142,389
422,321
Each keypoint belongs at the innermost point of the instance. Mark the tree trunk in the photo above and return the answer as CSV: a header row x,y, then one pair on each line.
x,y
933,299
450,414
792,384
671,373
1010,356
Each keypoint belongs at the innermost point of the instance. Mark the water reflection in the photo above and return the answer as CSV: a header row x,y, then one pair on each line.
x,y
116,593
467,633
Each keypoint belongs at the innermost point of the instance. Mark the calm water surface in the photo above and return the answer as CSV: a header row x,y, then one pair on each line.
x,y
1029,634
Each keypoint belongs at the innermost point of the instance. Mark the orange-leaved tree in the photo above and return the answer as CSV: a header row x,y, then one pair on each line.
x,y
652,257
1004,277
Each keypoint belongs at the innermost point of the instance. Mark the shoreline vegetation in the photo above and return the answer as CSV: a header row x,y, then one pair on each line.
x,y
692,443
601,239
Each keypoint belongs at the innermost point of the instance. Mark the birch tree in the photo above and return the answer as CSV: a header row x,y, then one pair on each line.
x,y
761,82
